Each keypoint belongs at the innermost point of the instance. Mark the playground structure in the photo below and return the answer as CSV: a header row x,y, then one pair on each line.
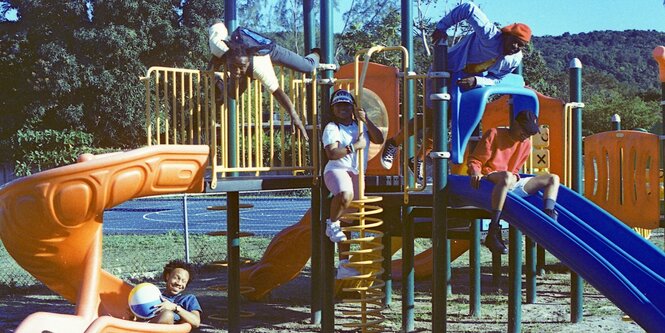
x,y
586,237
52,225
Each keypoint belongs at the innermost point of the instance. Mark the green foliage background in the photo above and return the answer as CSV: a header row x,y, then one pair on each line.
x,y
72,67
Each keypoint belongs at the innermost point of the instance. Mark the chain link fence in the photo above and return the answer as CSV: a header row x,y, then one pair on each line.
x,y
141,235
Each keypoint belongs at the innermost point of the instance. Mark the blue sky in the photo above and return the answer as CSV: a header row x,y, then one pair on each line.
x,y
555,17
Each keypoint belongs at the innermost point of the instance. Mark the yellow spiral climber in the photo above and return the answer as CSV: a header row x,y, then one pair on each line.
x,y
363,294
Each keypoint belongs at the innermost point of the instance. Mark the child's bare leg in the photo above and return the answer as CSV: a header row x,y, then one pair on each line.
x,y
343,202
502,181
339,204
549,183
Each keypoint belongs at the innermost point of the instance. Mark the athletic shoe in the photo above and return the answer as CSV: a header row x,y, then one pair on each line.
x,y
552,213
418,172
334,232
494,242
388,154
344,271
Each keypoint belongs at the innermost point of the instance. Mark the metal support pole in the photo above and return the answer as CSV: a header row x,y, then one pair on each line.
x,y
308,24
515,280
530,253
185,221
441,265
387,253
408,273
328,287
315,288
540,262
576,284
474,271
392,215
327,247
616,122
230,20
496,268
316,233
407,42
233,253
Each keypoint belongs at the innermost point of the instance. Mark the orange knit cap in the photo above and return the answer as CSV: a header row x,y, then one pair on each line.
x,y
519,30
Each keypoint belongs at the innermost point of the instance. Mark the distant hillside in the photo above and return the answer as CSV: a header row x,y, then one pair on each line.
x,y
625,55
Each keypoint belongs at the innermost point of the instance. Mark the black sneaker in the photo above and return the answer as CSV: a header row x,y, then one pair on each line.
x,y
388,154
494,243
418,172
552,213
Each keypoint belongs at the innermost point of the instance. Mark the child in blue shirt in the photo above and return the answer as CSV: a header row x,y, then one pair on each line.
x,y
178,307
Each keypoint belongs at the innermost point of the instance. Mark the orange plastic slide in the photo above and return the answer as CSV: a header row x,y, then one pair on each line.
x,y
285,257
423,262
51,224
290,250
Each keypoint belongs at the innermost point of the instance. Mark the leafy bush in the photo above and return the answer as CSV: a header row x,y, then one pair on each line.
x,y
37,150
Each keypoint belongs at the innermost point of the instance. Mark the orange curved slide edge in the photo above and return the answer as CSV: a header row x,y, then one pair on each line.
x,y
285,257
423,262
51,224
290,249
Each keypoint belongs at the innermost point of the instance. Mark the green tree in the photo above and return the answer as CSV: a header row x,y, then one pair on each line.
x,y
384,31
601,105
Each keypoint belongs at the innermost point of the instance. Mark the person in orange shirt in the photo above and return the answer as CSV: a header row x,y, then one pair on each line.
x,y
498,157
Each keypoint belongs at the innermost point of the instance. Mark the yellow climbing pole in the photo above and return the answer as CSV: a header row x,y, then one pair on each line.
x,y
363,294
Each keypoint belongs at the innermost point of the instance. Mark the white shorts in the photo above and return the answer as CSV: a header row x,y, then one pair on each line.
x,y
518,187
339,181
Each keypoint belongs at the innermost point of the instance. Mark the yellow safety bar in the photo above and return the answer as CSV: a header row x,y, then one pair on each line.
x,y
181,109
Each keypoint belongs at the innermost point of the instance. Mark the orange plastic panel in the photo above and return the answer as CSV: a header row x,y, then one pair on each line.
x,y
51,224
621,175
381,80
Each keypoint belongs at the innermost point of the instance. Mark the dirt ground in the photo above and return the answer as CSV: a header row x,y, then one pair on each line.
x,y
287,309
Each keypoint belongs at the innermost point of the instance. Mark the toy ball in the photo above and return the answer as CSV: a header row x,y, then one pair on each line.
x,y
143,298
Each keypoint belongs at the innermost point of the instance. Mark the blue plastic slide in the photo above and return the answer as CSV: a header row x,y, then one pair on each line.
x,y
623,266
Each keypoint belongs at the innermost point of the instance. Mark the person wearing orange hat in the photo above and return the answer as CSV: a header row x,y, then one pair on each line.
x,y
488,54
481,58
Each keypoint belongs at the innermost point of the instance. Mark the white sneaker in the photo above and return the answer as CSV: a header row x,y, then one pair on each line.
x,y
334,232
344,271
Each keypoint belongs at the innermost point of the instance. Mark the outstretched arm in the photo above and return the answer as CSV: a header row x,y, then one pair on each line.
x,y
470,13
286,103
